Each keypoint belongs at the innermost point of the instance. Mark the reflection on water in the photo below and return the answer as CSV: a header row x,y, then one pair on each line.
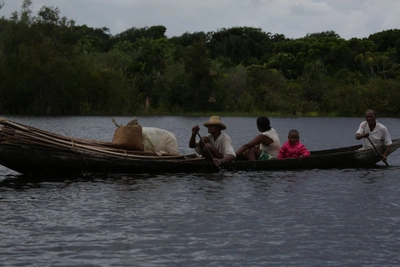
x,y
274,218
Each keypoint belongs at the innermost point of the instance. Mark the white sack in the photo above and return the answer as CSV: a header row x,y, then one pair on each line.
x,y
159,141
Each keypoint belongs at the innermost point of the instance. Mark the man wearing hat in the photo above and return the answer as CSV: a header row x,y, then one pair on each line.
x,y
216,146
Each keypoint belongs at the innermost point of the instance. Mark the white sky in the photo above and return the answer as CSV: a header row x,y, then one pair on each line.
x,y
293,18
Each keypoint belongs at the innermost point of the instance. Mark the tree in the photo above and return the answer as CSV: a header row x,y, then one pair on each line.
x,y
201,82
134,34
242,45
385,39
149,59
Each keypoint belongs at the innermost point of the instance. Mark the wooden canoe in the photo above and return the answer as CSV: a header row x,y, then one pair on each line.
x,y
32,151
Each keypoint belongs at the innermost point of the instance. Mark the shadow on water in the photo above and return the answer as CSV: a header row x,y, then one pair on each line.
x,y
23,182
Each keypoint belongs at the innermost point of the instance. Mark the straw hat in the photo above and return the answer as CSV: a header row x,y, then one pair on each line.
x,y
215,120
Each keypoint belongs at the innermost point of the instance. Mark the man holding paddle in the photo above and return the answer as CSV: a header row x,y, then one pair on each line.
x,y
375,134
216,146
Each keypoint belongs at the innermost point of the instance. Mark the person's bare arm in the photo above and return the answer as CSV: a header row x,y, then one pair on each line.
x,y
195,132
387,150
359,136
227,158
257,140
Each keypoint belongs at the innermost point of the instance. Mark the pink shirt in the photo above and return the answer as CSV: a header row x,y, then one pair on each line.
x,y
293,151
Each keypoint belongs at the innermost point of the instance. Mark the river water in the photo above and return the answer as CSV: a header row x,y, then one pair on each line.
x,y
335,217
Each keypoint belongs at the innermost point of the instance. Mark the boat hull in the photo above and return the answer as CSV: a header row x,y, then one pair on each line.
x,y
28,160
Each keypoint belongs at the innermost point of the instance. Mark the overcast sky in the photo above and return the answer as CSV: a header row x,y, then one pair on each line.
x,y
293,18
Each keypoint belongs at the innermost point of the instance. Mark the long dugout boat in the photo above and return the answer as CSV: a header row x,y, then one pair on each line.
x,y
32,151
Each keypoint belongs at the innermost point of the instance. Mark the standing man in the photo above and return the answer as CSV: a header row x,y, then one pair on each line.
x,y
374,131
216,146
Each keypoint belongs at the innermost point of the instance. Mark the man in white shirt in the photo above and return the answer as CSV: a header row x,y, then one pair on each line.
x,y
216,146
374,131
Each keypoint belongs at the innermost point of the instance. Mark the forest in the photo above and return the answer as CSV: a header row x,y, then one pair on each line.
x,y
51,66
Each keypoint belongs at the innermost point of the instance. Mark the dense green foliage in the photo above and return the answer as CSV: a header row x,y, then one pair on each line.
x,y
50,66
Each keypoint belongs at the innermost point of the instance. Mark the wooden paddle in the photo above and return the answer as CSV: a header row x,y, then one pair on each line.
x,y
377,150
205,146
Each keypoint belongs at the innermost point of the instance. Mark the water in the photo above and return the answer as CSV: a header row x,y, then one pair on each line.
x,y
346,217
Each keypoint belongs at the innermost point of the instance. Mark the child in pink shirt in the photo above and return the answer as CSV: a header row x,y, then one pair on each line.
x,y
293,148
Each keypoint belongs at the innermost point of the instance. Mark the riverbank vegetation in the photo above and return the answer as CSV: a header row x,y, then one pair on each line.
x,y
50,66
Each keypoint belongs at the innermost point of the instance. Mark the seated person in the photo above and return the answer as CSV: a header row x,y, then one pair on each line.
x,y
216,146
374,134
293,148
264,146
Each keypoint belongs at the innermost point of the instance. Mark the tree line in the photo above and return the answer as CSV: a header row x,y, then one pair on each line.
x,y
51,66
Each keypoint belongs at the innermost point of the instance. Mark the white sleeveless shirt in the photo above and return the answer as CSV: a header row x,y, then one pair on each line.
x,y
273,149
